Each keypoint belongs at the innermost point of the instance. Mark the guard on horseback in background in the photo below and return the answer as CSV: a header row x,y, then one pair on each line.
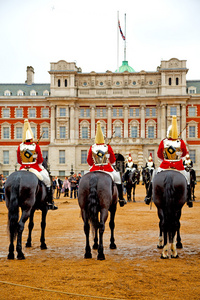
x,y
101,158
131,167
188,164
170,151
29,156
150,164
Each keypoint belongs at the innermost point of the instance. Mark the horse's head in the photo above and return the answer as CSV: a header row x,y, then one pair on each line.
x,y
46,164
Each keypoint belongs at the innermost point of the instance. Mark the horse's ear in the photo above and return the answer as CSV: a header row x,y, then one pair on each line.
x,y
46,158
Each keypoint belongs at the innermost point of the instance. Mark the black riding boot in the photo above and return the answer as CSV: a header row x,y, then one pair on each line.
x,y
50,203
189,200
122,201
147,199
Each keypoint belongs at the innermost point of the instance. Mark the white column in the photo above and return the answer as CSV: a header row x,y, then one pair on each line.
x,y
142,121
163,121
158,122
126,121
76,122
109,121
183,122
52,138
92,107
72,123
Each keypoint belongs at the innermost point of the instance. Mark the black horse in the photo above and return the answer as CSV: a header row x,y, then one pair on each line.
x,y
169,196
192,181
131,179
24,190
146,177
97,194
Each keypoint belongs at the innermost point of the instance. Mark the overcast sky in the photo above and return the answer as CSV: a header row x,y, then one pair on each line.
x,y
38,32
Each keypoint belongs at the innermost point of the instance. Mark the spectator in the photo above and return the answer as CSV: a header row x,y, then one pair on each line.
x,y
73,183
66,187
58,187
1,189
78,181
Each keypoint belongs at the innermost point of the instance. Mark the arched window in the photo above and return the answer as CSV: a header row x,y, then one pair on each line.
x,y
58,82
170,81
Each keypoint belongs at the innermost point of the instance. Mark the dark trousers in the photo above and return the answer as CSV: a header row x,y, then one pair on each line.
x,y
73,188
66,193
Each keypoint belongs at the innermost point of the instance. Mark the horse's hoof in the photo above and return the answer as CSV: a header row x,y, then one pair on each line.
x,y
101,257
113,246
160,247
43,247
88,255
164,257
174,256
11,256
179,245
20,256
28,245
95,246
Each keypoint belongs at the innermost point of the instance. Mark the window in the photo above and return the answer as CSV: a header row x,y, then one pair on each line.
x,y
32,113
104,112
61,173
62,132
82,112
6,132
173,111
153,112
34,131
84,132
5,173
131,112
6,113
84,156
19,113
20,93
33,93
192,131
120,112
134,82
87,112
98,112
118,131
45,153
58,82
137,112
18,132
62,112
103,130
193,155
191,111
5,157
147,112
61,156
45,113
133,131
7,93
177,81
114,112
65,82
170,81
150,132
46,132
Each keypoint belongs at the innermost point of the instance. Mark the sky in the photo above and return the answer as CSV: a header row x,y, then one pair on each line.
x,y
36,33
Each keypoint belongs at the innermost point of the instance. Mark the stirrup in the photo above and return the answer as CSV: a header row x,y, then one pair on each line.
x,y
122,202
147,200
190,204
52,206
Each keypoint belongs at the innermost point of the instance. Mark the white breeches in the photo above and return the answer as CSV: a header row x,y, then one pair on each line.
x,y
46,178
117,177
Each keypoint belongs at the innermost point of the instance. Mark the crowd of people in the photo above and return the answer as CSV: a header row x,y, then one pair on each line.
x,y
2,187
68,187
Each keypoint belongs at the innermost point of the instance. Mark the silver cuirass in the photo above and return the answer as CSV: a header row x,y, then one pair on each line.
x,y
172,149
100,154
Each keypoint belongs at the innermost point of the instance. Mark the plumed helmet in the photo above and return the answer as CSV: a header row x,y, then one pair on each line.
x,y
187,155
27,133
150,156
129,157
172,131
99,138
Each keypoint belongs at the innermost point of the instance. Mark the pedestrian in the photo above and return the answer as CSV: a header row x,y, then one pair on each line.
x,y
66,187
73,183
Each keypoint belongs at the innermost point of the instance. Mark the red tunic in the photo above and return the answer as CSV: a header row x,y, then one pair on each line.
x,y
107,167
167,164
39,159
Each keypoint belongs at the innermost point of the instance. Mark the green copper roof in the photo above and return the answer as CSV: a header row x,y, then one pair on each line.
x,y
125,67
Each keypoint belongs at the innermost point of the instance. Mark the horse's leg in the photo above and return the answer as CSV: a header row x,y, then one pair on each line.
x,y
25,215
43,245
95,246
11,246
103,218
160,240
112,226
88,253
165,251
30,228
179,245
134,185
163,229
128,193
174,253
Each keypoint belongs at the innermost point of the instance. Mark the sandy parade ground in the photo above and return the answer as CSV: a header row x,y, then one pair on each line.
x,y
132,271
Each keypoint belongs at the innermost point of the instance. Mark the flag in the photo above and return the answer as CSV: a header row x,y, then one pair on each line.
x,y
124,38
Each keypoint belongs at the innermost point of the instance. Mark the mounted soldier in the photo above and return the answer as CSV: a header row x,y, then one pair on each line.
x,y
188,164
150,164
102,158
170,151
29,156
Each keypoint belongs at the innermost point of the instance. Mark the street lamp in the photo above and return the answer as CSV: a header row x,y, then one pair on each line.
x,y
72,171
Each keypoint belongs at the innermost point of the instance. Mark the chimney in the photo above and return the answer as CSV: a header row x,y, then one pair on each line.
x,y
30,75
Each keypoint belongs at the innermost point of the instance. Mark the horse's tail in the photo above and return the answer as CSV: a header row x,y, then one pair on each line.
x,y
169,211
13,212
93,202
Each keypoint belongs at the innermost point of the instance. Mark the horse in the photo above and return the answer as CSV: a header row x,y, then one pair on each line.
x,y
131,178
192,181
169,195
97,194
24,190
146,177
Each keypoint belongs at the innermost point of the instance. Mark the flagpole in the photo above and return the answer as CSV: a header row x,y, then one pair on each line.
x,y
125,37
117,42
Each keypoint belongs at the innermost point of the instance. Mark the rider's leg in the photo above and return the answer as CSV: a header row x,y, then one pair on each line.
x,y
187,176
47,182
117,180
148,197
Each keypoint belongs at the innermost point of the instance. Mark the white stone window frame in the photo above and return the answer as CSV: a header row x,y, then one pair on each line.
x,y
3,110
4,125
84,154
59,111
169,110
150,123
33,93
47,109
195,124
192,89
7,93
195,108
101,110
61,157
44,124
18,125
45,93
21,109
20,93
118,123
29,112
84,123
134,123
6,162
